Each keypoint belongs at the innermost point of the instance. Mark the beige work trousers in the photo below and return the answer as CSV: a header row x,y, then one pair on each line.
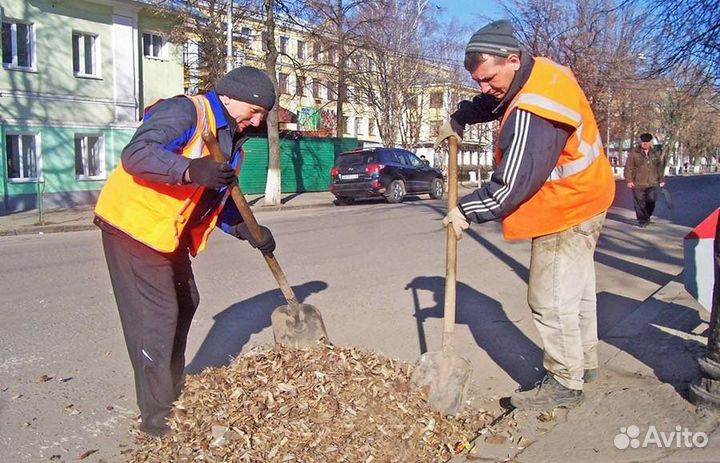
x,y
561,294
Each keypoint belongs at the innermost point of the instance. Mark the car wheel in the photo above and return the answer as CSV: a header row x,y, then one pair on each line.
x,y
395,192
438,188
343,201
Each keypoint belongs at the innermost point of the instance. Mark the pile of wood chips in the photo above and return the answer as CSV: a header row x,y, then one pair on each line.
x,y
322,404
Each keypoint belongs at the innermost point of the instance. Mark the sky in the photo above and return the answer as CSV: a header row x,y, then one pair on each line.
x,y
468,12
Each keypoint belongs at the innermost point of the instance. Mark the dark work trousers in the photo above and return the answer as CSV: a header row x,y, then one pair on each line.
x,y
645,198
157,298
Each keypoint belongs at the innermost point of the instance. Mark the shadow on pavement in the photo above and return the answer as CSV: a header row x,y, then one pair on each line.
x,y
234,326
497,335
653,336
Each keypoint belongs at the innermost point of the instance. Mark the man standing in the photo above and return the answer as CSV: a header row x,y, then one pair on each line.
x,y
159,207
644,172
553,184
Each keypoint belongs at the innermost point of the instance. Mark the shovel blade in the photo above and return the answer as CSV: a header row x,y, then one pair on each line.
x,y
445,376
298,325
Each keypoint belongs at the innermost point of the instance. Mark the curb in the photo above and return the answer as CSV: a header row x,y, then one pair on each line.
x,y
50,228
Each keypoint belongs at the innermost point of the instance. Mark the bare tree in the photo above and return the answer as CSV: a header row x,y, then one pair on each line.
x,y
201,26
273,186
687,35
395,69
336,28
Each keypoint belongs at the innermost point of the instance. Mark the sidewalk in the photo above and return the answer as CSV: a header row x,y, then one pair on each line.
x,y
80,218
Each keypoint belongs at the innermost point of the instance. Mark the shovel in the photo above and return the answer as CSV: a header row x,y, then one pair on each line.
x,y
294,324
445,374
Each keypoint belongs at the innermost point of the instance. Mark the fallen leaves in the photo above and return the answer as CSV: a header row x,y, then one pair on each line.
x,y
323,404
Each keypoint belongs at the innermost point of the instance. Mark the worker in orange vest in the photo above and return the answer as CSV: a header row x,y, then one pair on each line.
x,y
553,184
159,207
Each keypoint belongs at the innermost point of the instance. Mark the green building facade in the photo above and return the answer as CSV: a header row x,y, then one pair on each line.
x,y
74,79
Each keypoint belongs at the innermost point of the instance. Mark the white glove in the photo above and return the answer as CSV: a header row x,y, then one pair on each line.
x,y
458,220
449,129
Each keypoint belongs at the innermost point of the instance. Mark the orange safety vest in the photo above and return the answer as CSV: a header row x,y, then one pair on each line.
x,y
582,184
156,214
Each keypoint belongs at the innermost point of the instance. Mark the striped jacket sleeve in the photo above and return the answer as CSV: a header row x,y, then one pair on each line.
x,y
530,147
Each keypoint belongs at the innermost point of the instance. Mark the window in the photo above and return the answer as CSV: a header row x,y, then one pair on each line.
x,y
300,86
247,38
85,62
301,49
284,42
346,129
89,156
435,128
23,156
316,89
358,126
317,51
283,83
18,45
264,40
332,56
413,160
413,102
371,126
153,46
436,100
332,90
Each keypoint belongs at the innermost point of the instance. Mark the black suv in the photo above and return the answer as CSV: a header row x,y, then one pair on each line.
x,y
390,172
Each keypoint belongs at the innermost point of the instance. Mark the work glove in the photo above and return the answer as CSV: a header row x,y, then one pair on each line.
x,y
449,129
458,220
266,244
206,172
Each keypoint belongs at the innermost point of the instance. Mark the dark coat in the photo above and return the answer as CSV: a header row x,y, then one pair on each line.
x,y
645,170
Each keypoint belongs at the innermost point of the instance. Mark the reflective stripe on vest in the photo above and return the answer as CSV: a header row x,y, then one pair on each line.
x,y
154,213
581,184
589,152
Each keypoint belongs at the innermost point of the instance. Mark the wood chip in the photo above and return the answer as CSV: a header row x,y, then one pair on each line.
x,y
496,440
86,454
320,404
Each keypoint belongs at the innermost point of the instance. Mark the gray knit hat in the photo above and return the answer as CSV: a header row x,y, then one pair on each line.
x,y
494,39
248,84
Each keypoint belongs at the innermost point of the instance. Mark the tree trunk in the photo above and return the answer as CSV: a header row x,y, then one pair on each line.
x,y
340,35
274,180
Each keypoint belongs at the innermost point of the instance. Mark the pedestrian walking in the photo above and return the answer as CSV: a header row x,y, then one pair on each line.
x,y
158,208
644,172
553,184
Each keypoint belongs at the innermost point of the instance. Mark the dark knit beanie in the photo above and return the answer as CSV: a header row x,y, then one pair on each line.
x,y
646,137
247,84
494,39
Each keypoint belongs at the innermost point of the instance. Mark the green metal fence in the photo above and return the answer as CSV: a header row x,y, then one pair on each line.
x,y
306,163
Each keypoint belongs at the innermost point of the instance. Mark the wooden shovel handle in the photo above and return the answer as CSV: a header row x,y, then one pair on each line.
x,y
451,263
249,219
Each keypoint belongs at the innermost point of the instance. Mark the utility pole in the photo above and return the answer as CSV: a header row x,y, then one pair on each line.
x,y
229,57
607,123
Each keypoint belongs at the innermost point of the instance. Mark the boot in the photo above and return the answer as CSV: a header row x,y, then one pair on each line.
x,y
546,395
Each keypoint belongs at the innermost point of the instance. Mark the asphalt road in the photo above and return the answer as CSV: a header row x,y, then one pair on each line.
x,y
375,271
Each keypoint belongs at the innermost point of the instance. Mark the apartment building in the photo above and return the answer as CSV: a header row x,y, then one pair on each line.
x,y
75,77
307,81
